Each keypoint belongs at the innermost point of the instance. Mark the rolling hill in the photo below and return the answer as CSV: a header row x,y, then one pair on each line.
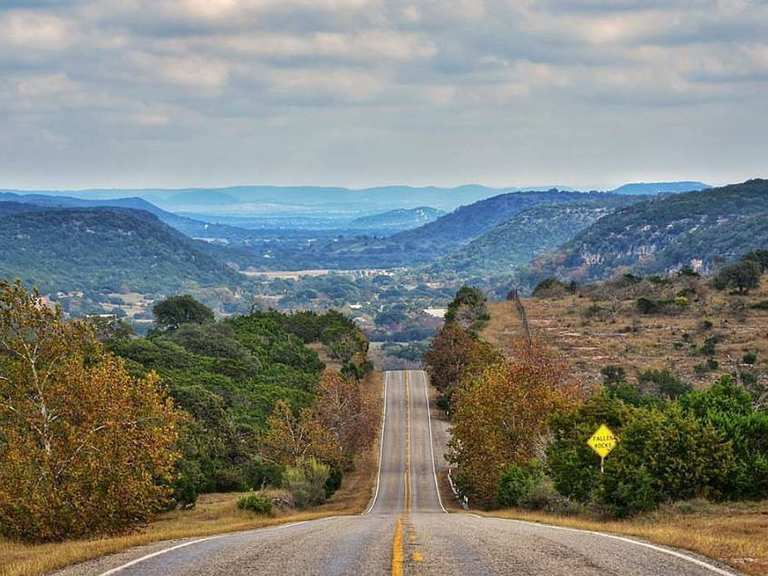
x,y
397,220
698,229
189,226
103,249
528,234
655,188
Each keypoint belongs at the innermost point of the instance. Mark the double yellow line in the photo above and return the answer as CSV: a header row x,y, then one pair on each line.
x,y
398,544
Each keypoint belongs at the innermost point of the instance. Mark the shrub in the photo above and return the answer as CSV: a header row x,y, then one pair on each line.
x,y
573,467
545,497
648,306
613,374
306,482
664,455
333,483
762,305
257,503
710,346
749,358
517,483
663,383
727,406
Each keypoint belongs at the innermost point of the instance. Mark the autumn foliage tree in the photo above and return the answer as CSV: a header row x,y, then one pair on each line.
x,y
291,439
343,409
452,354
84,448
501,416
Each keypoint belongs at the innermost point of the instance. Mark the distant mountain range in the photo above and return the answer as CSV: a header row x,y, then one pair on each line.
x,y
656,188
63,242
332,202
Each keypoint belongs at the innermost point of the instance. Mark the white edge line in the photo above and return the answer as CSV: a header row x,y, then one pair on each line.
x,y
154,554
674,553
431,442
381,446
185,544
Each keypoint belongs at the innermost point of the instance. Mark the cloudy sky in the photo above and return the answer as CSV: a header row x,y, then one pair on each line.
x,y
365,92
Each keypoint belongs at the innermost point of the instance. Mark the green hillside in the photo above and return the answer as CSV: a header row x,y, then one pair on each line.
x,y
428,242
103,249
525,236
699,229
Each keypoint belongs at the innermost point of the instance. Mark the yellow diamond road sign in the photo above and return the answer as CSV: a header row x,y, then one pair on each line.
x,y
603,441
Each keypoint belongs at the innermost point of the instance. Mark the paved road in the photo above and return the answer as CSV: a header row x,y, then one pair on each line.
x,y
406,529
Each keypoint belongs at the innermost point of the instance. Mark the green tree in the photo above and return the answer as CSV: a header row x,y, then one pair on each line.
x,y
741,277
177,310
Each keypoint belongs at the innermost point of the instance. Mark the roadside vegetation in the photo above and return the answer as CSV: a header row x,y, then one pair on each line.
x,y
103,431
521,418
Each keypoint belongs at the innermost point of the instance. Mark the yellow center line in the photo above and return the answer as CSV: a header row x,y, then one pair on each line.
x,y
398,558
398,544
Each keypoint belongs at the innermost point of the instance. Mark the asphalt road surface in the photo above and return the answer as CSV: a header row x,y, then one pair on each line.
x,y
405,529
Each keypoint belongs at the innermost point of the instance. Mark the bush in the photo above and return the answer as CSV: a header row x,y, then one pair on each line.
x,y
648,306
334,480
664,455
741,277
545,497
663,383
517,483
573,467
306,482
749,358
727,406
257,503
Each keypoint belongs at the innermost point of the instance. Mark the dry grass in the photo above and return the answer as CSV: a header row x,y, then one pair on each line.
x,y
213,514
735,534
620,336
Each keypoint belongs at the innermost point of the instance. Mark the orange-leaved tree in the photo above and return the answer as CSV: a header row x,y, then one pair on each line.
x,y
291,439
501,416
453,353
343,409
84,448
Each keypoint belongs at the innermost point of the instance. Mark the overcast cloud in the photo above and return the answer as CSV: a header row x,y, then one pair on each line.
x,y
366,92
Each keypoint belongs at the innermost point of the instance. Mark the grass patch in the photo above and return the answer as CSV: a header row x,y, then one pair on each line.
x,y
213,514
733,533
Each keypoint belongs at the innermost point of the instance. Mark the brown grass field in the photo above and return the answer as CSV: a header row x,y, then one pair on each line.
x,y
735,534
601,326
213,514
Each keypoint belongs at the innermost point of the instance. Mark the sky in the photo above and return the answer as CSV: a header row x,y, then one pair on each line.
x,y
585,93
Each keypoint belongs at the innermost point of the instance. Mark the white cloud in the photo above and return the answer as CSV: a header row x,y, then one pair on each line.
x,y
34,30
424,79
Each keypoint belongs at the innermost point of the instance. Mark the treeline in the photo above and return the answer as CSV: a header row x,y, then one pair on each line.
x,y
520,430
99,430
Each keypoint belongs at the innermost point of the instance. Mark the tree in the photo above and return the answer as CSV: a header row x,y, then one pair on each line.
x,y
468,309
290,439
760,257
452,353
84,448
342,409
741,277
501,417
177,310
